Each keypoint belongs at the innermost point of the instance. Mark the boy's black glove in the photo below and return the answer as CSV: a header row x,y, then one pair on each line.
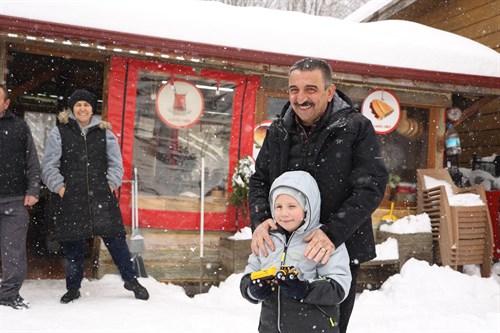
x,y
292,287
261,289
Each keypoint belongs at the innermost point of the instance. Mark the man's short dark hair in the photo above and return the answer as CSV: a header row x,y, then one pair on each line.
x,y
5,92
311,64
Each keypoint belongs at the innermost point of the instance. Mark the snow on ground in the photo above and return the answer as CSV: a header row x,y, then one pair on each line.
x,y
422,298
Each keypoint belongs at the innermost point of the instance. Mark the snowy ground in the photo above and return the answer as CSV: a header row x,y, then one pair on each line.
x,y
422,298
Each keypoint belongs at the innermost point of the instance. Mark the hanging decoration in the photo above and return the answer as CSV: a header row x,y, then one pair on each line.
x,y
453,114
383,110
179,104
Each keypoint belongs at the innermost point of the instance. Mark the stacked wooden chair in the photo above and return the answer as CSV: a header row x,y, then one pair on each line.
x,y
462,235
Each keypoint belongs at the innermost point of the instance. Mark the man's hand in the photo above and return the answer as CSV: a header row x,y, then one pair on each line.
x,y
30,200
320,247
260,237
61,191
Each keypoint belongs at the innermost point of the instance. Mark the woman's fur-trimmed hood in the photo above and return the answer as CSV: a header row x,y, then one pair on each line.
x,y
64,116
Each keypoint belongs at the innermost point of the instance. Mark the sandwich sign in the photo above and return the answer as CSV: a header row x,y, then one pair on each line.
x,y
382,108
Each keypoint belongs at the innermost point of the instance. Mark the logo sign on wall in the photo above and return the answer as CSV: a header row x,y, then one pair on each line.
x,y
179,104
383,110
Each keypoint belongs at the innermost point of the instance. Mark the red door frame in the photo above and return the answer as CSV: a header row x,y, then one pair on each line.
x,y
121,113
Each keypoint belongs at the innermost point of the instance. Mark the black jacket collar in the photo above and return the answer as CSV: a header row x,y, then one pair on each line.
x,y
7,115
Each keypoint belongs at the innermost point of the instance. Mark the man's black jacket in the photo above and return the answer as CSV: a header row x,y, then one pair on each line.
x,y
343,155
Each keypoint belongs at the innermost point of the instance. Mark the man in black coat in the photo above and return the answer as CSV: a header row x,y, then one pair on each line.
x,y
19,188
320,132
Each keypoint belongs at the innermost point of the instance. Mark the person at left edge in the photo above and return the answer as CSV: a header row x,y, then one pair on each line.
x,y
19,188
82,163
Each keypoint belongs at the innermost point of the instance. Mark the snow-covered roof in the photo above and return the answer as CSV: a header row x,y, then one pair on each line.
x,y
368,9
385,43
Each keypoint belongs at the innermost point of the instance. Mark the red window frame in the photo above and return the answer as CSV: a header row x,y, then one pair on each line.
x,y
124,74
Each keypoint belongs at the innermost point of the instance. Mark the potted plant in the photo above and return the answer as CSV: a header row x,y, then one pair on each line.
x,y
238,198
234,251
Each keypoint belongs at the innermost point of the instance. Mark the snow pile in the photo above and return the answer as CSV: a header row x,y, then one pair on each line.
x,y
463,199
384,43
387,250
444,300
422,298
245,233
411,224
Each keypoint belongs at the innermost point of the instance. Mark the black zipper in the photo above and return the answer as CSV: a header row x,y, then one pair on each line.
x,y
282,263
87,179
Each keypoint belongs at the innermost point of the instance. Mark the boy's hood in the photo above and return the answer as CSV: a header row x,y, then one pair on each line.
x,y
304,183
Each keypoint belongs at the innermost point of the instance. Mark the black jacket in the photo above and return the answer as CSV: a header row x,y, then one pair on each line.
x,y
88,206
343,155
318,312
20,168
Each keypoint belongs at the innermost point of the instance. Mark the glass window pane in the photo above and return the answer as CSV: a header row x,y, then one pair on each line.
x,y
275,106
405,150
40,125
169,159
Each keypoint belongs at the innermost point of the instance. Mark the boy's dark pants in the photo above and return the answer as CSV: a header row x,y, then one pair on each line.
x,y
348,304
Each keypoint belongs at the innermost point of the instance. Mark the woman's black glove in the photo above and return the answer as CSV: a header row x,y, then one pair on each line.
x,y
292,287
261,289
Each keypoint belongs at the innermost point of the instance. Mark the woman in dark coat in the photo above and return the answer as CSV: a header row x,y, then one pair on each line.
x,y
82,164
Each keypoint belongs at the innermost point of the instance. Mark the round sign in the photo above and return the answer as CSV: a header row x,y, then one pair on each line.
x,y
383,110
259,133
179,105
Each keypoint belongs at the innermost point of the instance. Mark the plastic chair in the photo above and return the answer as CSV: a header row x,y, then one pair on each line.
x,y
462,235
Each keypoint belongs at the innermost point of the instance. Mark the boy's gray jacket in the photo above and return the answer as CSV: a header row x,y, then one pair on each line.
x,y
330,283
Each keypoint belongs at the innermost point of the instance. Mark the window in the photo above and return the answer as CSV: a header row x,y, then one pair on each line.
x,y
404,151
169,159
270,104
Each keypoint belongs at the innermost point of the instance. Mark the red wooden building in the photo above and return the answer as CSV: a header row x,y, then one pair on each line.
x,y
231,67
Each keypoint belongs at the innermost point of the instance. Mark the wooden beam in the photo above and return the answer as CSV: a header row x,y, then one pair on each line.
x,y
39,78
473,109
3,62
435,151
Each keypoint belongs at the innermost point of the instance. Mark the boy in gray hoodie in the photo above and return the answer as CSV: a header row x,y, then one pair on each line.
x,y
306,297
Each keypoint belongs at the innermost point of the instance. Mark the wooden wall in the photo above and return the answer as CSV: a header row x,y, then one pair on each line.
x,y
478,20
174,257
481,133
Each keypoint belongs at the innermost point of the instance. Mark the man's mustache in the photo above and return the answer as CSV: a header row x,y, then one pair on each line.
x,y
305,104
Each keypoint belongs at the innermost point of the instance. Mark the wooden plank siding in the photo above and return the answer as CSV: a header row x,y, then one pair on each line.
x,y
174,256
475,19
478,20
492,40
481,134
